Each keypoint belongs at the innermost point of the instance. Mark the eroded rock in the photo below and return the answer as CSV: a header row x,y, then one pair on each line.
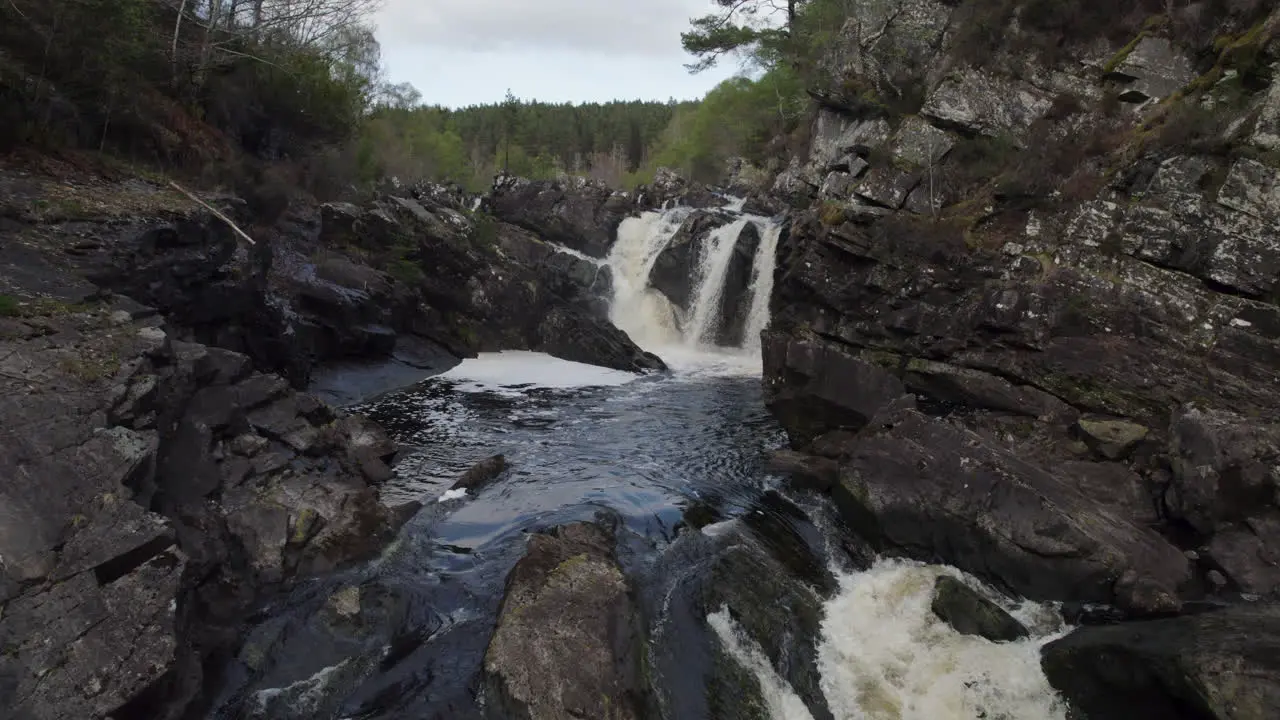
x,y
1223,664
567,642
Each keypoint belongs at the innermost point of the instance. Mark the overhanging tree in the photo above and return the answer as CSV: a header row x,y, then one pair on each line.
x,y
740,25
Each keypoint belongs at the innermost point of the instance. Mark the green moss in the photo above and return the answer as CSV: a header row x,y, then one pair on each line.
x,y
304,526
91,369
1118,59
831,214
568,565
406,271
9,306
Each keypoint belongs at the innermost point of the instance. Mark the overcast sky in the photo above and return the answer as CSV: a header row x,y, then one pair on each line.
x,y
465,52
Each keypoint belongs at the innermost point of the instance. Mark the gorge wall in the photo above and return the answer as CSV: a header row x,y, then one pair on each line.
x,y
1025,318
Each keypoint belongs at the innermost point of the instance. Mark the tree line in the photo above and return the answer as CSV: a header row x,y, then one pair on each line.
x,y
204,84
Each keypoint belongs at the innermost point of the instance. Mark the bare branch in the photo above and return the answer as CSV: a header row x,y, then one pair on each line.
x,y
215,211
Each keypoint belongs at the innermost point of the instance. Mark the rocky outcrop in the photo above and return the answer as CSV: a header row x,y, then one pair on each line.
x,y
575,212
154,491
1025,319
567,642
348,283
1223,664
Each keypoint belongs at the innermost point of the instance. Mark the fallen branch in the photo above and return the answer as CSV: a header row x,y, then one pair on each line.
x,y
215,212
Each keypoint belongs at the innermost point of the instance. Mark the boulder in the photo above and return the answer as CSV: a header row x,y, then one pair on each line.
x,y
1224,468
1249,553
1112,439
1221,664
1152,70
969,613
937,491
567,641
481,474
984,103
572,334
826,387
677,272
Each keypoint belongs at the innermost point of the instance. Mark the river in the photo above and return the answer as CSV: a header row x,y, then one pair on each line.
x,y
676,462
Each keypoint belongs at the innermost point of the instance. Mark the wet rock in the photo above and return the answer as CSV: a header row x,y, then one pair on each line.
x,y
567,641
807,471
481,474
1113,487
937,491
971,388
827,389
777,611
572,334
675,272
678,270
368,446
1112,439
1222,664
969,613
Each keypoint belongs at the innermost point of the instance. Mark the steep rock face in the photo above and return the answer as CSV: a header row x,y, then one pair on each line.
x,y
154,490
1028,280
568,642
347,282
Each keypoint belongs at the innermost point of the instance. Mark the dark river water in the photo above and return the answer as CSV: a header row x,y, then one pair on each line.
x,y
670,461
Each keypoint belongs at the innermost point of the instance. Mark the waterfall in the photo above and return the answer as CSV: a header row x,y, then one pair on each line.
x,y
650,318
766,261
642,312
712,271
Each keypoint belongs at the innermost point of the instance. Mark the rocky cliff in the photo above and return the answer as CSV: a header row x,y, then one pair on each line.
x,y
1025,318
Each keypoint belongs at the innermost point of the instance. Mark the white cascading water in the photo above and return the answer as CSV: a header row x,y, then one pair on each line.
x,y
651,320
712,272
884,655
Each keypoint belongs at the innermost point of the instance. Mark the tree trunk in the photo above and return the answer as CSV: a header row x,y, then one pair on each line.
x,y
257,13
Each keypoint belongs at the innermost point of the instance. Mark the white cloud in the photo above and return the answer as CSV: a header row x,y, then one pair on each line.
x,y
647,27
463,52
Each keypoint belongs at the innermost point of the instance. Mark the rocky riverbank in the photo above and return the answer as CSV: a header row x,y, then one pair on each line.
x,y
164,475
1056,368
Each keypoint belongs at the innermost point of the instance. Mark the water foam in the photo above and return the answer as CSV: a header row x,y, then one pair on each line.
x,y
512,372
884,655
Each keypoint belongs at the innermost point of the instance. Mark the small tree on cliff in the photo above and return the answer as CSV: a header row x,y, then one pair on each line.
x,y
739,25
